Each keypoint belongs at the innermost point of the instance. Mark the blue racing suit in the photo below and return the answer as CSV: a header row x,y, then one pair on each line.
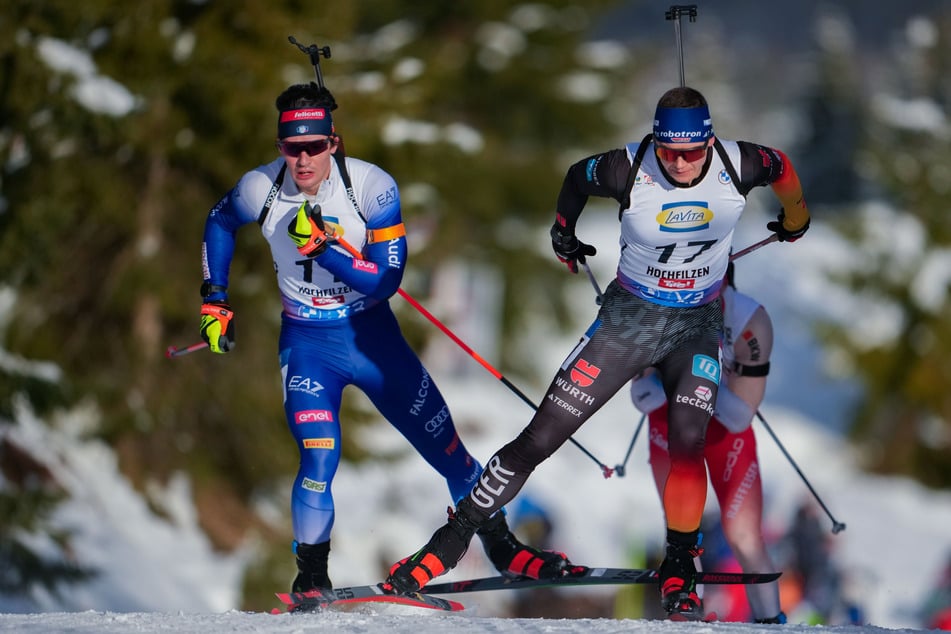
x,y
337,327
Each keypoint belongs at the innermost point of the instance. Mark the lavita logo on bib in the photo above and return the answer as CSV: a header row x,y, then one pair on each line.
x,y
683,216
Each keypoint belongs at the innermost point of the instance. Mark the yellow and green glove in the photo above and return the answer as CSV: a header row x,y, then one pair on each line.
x,y
308,231
216,327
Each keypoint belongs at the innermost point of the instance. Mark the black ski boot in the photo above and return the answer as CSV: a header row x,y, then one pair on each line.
x,y
514,559
440,554
678,576
779,619
312,567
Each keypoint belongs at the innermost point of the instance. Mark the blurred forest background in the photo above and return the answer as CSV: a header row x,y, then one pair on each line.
x,y
121,125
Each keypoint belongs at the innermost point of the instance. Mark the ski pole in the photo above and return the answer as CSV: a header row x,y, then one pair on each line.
x,y
622,468
675,13
599,297
605,470
174,351
837,527
753,247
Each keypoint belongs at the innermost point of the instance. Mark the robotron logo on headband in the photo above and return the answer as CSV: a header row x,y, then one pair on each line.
x,y
683,136
683,125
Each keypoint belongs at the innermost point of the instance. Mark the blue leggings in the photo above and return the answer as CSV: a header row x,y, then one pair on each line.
x,y
368,351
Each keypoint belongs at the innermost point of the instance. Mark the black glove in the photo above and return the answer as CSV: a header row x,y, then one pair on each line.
x,y
569,248
217,327
784,234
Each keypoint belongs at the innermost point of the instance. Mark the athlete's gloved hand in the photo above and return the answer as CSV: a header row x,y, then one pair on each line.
x,y
784,234
216,326
308,231
647,393
569,248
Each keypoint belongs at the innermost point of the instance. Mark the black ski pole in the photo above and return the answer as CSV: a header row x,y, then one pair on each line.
x,y
599,296
837,527
621,469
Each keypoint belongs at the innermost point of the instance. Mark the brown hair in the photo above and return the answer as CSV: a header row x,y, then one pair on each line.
x,y
682,97
305,96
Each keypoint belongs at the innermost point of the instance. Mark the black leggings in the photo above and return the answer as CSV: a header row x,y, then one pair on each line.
x,y
629,335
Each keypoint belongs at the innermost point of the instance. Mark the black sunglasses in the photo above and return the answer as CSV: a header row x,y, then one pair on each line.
x,y
294,148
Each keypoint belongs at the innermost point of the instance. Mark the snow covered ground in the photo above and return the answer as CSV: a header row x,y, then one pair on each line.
x,y
391,623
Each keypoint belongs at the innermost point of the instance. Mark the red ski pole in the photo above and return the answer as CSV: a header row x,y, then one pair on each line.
x,y
174,351
605,470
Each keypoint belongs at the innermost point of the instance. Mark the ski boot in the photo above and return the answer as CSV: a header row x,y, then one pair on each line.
x,y
440,554
516,560
312,567
779,619
678,576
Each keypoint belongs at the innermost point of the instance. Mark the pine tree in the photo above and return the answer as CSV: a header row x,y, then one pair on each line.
x,y
902,159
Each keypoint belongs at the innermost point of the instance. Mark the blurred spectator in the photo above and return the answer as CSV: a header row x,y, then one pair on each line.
x,y
813,589
639,601
936,611
729,602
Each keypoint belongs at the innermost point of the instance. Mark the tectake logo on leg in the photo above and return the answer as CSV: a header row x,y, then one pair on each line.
x,y
704,393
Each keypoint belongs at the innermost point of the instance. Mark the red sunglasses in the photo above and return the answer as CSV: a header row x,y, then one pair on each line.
x,y
670,155
294,149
